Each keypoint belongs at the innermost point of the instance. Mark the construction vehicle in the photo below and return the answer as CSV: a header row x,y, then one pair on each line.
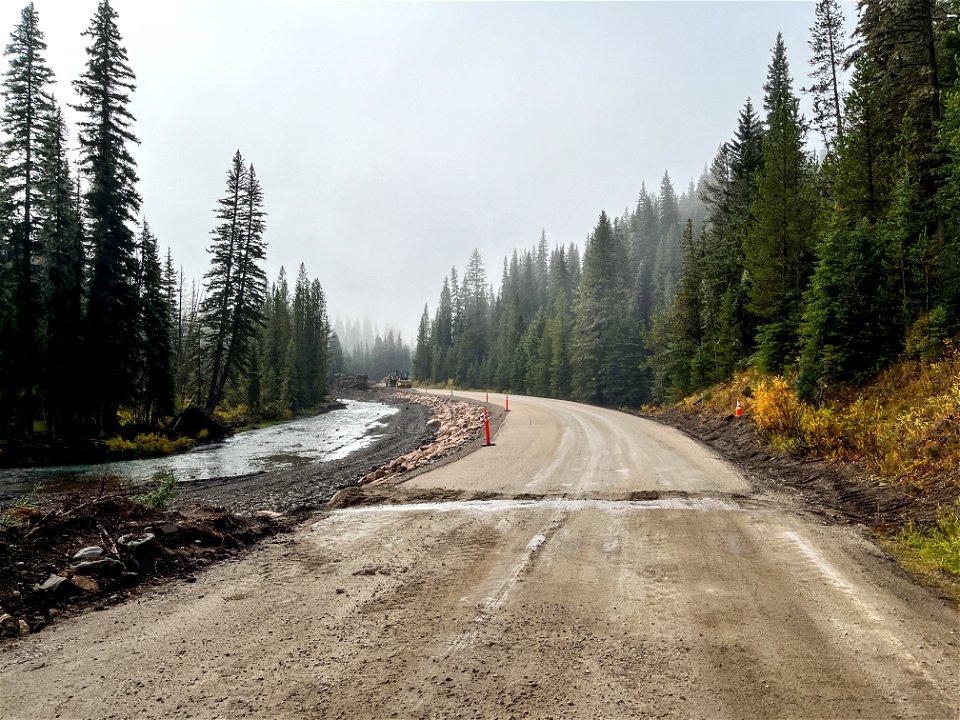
x,y
398,380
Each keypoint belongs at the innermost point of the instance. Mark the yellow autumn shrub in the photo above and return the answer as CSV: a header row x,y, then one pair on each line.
x,y
147,444
778,412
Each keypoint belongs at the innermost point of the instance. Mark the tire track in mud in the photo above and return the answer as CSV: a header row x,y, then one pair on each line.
x,y
488,605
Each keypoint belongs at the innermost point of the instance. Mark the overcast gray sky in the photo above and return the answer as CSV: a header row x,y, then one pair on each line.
x,y
393,139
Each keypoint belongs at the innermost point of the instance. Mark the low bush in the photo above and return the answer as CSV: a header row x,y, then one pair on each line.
x,y
147,444
23,509
233,415
162,496
778,413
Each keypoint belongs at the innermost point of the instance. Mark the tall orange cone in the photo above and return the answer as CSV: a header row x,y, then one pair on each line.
x,y
507,398
739,409
486,428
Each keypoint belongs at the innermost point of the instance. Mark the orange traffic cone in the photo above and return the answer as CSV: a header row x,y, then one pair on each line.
x,y
739,409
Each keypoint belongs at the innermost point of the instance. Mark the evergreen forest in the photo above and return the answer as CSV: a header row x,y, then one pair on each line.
x,y
819,248
98,330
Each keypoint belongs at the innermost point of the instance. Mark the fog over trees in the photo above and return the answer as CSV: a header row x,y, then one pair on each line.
x,y
827,267
821,247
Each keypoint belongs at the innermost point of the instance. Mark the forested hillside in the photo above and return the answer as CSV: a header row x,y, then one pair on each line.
x,y
824,247
95,331
361,349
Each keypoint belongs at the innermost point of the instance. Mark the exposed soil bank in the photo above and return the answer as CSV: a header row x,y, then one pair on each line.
x,y
42,576
841,492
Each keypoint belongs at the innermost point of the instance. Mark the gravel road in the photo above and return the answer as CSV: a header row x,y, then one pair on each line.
x,y
616,569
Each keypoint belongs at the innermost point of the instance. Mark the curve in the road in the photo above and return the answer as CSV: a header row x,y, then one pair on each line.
x,y
551,447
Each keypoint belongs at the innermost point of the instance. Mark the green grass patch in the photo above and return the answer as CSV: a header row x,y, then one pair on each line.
x,y
937,544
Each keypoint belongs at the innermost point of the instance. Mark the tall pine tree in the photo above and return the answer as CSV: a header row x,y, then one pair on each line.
x,y
112,203
27,111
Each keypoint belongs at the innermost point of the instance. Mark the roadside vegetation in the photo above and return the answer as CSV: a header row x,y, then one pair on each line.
x,y
902,428
161,496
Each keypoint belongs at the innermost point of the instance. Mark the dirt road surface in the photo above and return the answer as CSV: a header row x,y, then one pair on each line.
x,y
620,571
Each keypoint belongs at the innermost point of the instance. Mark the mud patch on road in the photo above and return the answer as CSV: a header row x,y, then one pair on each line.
x,y
366,495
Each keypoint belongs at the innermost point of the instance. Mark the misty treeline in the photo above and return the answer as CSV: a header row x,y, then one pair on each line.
x,y
825,268
365,351
95,330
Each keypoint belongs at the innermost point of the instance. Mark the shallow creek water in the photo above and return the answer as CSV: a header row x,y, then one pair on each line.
x,y
330,436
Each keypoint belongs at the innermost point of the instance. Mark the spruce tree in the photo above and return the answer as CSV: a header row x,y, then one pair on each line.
x,y
62,296
27,109
830,54
251,280
729,195
601,297
778,247
688,317
560,363
847,331
667,263
319,338
112,203
441,336
422,355
538,348
276,344
471,343
335,356
778,80
645,239
157,382
219,304
236,283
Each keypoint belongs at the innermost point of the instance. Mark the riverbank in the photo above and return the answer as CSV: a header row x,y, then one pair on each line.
x,y
134,442
210,520
309,487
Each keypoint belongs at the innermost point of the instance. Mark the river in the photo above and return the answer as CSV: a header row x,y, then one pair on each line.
x,y
319,438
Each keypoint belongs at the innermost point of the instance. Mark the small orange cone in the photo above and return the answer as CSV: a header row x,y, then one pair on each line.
x,y
739,409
